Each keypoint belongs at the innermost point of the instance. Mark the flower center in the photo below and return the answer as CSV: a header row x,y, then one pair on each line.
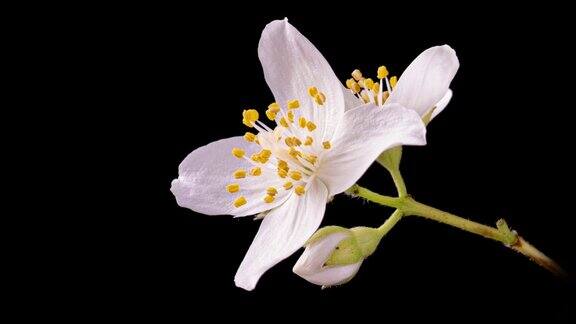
x,y
291,152
369,91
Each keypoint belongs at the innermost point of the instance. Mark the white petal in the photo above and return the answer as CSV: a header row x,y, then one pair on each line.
x,y
332,276
283,231
350,100
442,104
365,132
204,174
291,64
426,79
316,254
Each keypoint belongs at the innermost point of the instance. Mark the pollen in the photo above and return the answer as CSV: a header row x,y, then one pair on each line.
x,y
312,91
302,122
238,152
382,72
296,175
239,201
293,104
308,141
320,98
239,174
376,87
282,173
299,190
271,191
287,185
266,153
255,157
393,81
326,145
368,84
249,137
249,116
311,126
283,122
352,85
270,115
290,116
233,187
256,171
268,199
357,75
283,165
274,107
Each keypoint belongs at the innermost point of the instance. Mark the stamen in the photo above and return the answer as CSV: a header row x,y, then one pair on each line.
x,y
255,157
249,117
239,201
272,191
299,190
233,187
357,75
282,173
312,91
311,158
302,122
265,153
320,98
274,107
238,152
293,104
268,199
283,122
239,174
256,171
249,137
326,145
365,97
393,81
368,84
382,72
376,87
287,185
295,175
353,85
308,141
311,126
290,116
271,115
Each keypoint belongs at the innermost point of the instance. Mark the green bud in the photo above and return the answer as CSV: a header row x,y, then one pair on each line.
x,y
390,159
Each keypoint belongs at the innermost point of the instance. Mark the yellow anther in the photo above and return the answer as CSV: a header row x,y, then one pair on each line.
x,y
283,165
293,104
312,91
311,126
320,98
350,83
265,153
361,83
270,114
287,185
385,95
312,159
256,171
393,81
326,145
376,87
294,153
263,159
239,174
289,141
365,97
249,137
274,107
233,187
297,141
308,141
282,173
368,84
271,191
283,122
382,72
238,152
290,116
268,199
299,190
255,157
357,75
239,201
302,122
295,175
249,116
356,88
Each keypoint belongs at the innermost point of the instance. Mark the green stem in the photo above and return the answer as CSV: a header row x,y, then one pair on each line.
x,y
399,182
406,206
390,223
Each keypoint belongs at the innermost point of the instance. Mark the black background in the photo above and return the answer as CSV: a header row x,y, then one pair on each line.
x,y
178,78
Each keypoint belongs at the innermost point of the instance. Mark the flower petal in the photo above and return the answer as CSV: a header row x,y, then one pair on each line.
x,y
204,174
364,133
426,79
291,65
333,276
442,104
350,100
283,231
316,254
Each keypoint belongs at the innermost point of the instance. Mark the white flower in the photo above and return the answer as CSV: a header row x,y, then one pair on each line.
x,y
423,87
316,150
312,263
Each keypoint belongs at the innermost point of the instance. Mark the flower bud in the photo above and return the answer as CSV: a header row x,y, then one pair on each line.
x,y
333,255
